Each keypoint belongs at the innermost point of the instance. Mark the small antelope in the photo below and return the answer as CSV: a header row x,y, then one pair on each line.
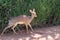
x,y
22,19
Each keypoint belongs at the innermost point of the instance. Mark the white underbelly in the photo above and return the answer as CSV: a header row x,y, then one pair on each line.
x,y
20,23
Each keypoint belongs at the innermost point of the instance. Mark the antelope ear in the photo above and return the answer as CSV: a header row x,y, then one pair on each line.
x,y
33,9
30,10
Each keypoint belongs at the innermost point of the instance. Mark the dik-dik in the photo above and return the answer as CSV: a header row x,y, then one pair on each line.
x,y
22,19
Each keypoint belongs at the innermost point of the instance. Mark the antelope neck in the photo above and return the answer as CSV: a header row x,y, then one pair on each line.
x,y
32,17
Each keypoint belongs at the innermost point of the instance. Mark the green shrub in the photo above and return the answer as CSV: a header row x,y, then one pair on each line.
x,y
48,11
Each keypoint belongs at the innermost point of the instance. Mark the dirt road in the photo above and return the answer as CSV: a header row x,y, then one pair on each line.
x,y
47,33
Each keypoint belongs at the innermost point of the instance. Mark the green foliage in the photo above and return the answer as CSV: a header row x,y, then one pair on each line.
x,y
48,11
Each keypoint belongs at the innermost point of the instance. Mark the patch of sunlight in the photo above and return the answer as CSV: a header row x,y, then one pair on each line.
x,y
36,35
49,31
20,39
27,38
31,32
50,38
57,36
42,38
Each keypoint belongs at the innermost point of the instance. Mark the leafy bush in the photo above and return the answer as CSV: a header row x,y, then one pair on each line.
x,y
48,11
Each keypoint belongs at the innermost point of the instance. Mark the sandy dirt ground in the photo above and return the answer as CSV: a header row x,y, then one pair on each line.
x,y
46,33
